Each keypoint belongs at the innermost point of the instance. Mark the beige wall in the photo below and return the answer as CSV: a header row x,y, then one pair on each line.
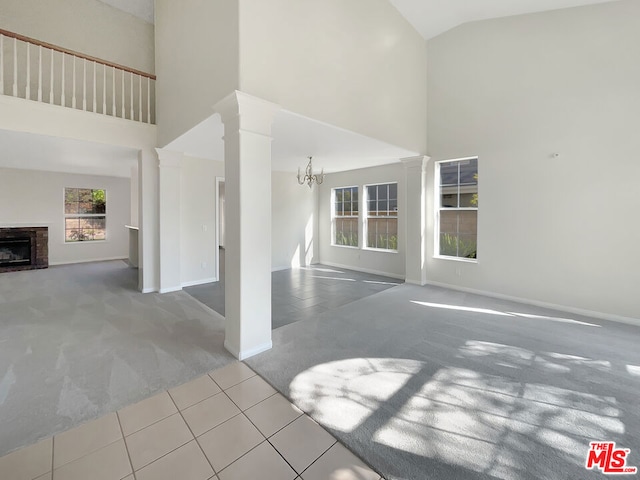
x,y
33,197
514,91
196,61
198,206
293,220
86,26
356,64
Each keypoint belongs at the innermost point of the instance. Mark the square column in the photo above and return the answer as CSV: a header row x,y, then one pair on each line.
x,y
247,158
148,250
415,169
169,164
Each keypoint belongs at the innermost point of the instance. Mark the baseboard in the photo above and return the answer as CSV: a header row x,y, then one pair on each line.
x,y
170,289
90,260
193,283
279,269
363,270
538,303
149,290
248,353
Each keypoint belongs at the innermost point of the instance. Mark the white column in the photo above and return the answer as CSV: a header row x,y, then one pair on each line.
x,y
415,169
148,249
247,155
169,219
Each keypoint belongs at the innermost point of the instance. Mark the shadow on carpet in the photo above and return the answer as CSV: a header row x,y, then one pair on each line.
x,y
428,383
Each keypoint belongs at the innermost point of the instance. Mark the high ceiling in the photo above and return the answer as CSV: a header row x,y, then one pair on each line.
x,y
433,17
429,17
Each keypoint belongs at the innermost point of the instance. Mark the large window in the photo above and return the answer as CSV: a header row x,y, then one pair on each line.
x,y
345,216
84,214
382,216
458,208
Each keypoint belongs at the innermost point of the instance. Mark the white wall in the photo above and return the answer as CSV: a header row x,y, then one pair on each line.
x,y
357,64
196,61
293,220
197,209
86,26
516,90
374,261
37,197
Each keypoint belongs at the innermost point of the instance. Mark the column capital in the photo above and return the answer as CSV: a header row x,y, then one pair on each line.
x,y
419,161
169,158
250,113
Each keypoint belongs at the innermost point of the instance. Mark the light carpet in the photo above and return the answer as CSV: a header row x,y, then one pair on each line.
x,y
429,383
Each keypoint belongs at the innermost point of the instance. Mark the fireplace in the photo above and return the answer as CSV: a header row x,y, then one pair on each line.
x,y
23,248
15,252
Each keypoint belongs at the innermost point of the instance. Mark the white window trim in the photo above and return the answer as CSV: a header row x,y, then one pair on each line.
x,y
438,208
66,215
365,216
334,217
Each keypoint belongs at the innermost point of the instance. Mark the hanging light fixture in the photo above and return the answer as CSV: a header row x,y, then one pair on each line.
x,y
309,178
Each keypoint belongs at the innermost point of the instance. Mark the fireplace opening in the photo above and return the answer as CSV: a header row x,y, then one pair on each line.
x,y
15,252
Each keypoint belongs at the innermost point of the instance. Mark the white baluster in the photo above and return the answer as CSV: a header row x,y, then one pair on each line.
x,y
104,89
84,84
1,64
148,100
113,100
27,90
122,113
51,82
131,106
139,98
39,73
73,100
63,97
95,99
15,67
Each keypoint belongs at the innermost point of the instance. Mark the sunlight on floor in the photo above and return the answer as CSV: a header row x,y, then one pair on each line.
x,y
504,314
334,278
458,416
633,370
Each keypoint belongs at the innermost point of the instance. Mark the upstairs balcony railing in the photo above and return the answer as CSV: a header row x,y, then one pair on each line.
x,y
46,73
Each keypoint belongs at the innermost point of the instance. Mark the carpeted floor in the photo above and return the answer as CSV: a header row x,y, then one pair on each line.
x,y
79,341
428,383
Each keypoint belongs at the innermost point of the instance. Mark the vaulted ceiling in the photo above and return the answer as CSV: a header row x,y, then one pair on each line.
x,y
429,17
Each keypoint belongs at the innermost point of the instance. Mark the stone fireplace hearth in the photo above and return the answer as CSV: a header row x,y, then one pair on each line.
x,y
23,248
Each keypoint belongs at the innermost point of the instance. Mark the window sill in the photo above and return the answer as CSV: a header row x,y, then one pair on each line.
x,y
456,259
381,250
86,241
345,246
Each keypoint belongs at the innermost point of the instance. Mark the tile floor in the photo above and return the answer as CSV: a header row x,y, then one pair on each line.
x,y
301,293
228,425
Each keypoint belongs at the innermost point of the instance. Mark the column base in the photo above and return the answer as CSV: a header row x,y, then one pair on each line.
x,y
249,352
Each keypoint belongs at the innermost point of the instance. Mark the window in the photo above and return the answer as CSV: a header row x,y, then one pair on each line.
x,y
382,216
345,216
84,214
458,208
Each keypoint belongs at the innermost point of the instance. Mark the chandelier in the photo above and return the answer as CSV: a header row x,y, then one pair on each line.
x,y
309,178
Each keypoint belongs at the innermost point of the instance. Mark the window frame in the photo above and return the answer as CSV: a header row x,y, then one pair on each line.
x,y
335,217
82,215
439,208
366,217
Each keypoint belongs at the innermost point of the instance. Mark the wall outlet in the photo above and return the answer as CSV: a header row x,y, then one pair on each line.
x,y
203,265
458,271
204,227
